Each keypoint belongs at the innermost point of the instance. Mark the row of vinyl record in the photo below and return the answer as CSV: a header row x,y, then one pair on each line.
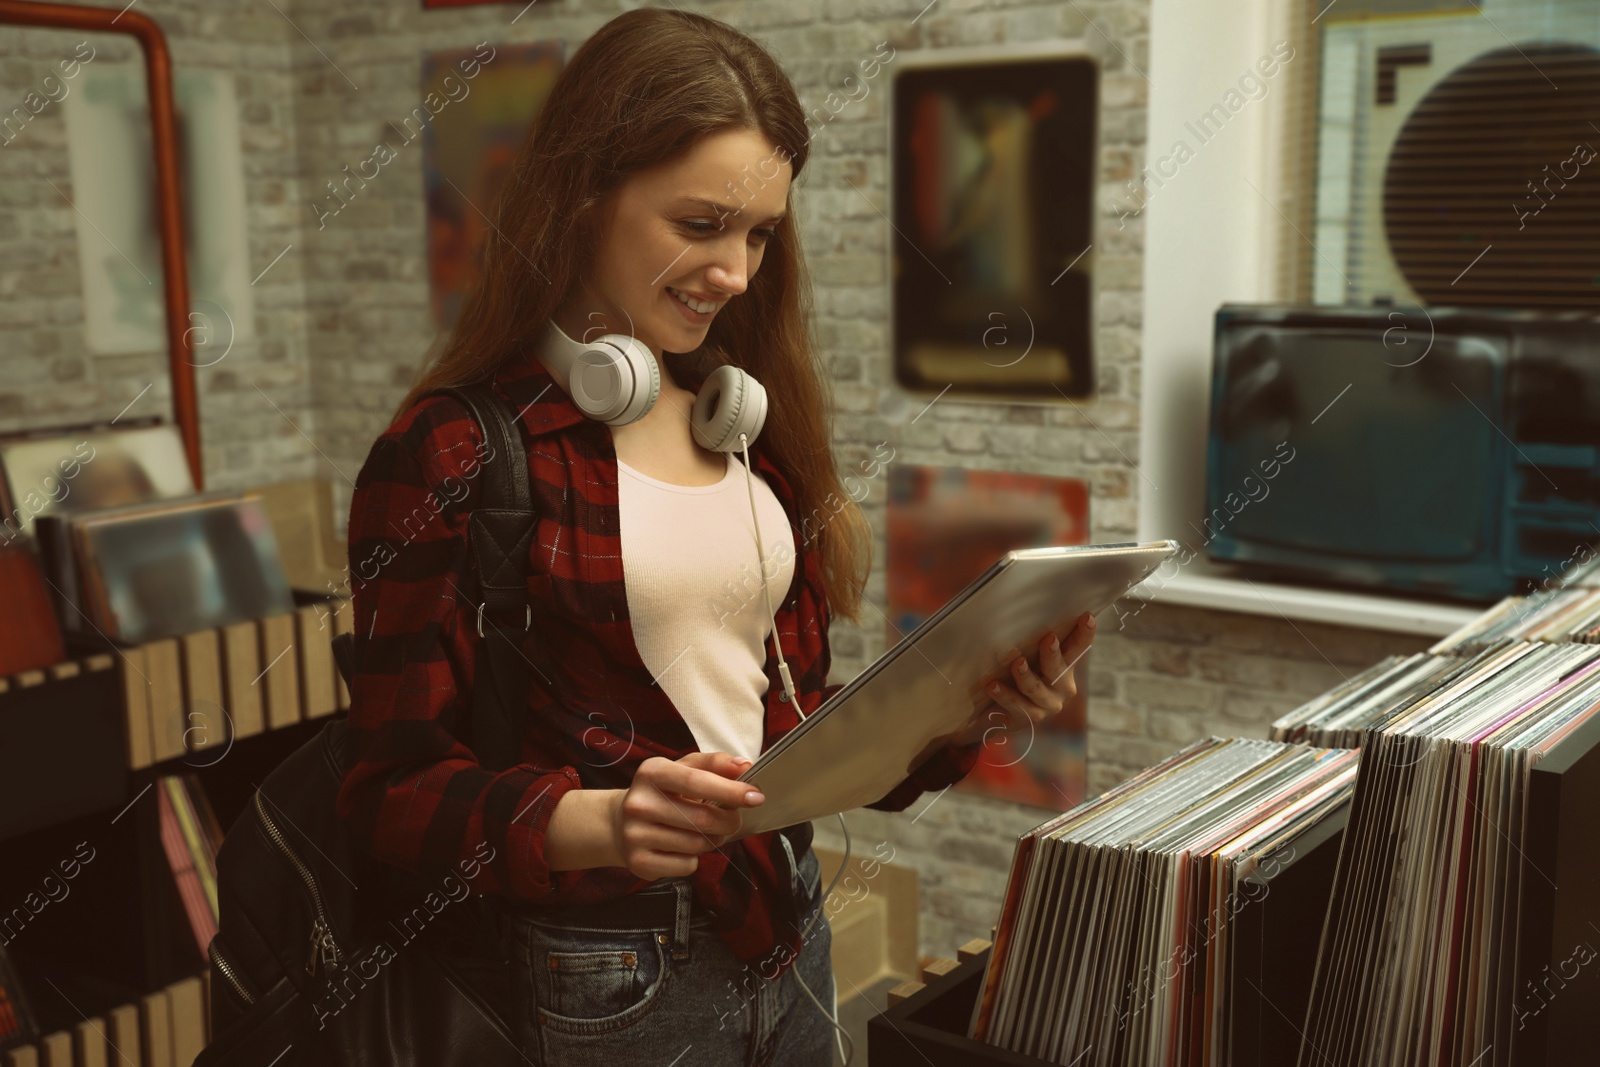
x,y
1557,614
172,1022
1116,933
190,837
207,689
1420,953
1566,608
1117,940
203,691
104,538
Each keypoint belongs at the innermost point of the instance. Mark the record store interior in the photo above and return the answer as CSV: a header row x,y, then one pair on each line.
x,y
1278,355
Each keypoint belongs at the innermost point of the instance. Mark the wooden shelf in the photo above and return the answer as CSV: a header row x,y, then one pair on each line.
x,y
61,746
83,736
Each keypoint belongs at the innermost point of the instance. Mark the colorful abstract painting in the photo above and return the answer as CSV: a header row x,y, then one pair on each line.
x,y
946,526
468,149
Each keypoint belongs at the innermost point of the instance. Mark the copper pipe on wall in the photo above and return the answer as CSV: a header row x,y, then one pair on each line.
x,y
163,123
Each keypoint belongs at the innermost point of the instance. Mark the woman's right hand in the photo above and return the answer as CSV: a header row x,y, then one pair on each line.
x,y
677,809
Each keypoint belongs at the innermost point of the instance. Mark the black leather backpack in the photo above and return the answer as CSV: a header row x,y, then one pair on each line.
x,y
321,954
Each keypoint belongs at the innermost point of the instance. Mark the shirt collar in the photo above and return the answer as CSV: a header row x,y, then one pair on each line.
x,y
542,405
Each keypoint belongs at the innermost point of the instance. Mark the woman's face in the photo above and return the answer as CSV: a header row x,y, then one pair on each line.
x,y
697,227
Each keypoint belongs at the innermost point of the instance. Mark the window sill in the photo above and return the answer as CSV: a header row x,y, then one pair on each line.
x,y
1212,587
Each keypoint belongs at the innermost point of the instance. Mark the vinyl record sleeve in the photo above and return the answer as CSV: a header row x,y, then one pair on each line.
x,y
868,737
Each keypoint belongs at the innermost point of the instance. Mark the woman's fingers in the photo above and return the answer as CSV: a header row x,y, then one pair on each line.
x,y
1044,692
1080,638
656,837
700,817
1009,699
696,775
1046,700
652,865
684,813
724,763
1057,658
1056,663
677,793
675,810
1053,663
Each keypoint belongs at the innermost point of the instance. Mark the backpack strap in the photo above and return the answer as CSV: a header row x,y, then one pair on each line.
x,y
501,527
500,533
500,537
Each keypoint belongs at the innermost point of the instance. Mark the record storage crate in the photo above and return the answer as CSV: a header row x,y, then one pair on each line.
x,y
1276,949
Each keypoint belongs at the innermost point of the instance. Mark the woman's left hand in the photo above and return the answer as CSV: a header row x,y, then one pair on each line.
x,y
1039,693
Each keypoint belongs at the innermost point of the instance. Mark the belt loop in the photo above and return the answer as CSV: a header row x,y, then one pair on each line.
x,y
680,927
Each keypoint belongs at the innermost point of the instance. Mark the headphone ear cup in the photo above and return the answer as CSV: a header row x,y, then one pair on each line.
x,y
729,403
615,379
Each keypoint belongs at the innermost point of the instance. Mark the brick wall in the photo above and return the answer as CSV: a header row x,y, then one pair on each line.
x,y
344,323
253,399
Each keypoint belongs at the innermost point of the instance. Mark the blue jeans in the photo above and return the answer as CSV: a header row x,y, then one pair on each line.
x,y
670,996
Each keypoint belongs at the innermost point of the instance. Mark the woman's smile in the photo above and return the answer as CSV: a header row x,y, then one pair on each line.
x,y
698,312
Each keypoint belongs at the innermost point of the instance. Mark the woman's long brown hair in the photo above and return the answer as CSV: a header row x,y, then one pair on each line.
x,y
640,92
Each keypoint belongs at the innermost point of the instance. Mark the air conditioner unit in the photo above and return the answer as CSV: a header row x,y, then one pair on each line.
x,y
1456,154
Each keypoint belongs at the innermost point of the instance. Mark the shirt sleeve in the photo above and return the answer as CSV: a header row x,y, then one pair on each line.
x,y
413,793
946,767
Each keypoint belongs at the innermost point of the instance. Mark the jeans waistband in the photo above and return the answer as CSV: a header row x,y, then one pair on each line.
x,y
668,905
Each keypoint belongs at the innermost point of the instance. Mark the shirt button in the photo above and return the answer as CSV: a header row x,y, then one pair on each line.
x,y
784,696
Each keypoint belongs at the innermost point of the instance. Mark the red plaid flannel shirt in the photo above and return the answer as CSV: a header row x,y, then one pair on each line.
x,y
417,796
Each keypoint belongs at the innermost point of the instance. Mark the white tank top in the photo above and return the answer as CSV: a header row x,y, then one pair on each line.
x,y
694,596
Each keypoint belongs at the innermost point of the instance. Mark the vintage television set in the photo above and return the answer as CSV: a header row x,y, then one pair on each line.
x,y
1445,452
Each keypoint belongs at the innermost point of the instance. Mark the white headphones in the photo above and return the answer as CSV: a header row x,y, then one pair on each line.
x,y
617,380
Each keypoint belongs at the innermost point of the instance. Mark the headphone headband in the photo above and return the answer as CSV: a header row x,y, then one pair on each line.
x,y
616,380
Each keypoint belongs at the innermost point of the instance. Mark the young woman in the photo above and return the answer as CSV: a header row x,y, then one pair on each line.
x,y
651,200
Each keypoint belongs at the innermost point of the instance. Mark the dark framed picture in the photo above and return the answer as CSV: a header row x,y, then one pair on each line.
x,y
993,157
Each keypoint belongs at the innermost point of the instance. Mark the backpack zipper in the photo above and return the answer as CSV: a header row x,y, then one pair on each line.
x,y
224,968
323,946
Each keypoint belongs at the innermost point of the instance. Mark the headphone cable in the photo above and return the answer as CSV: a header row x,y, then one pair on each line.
x,y
841,1039
761,561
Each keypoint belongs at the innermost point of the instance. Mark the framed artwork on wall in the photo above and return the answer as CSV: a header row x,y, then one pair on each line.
x,y
468,149
993,168
946,526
